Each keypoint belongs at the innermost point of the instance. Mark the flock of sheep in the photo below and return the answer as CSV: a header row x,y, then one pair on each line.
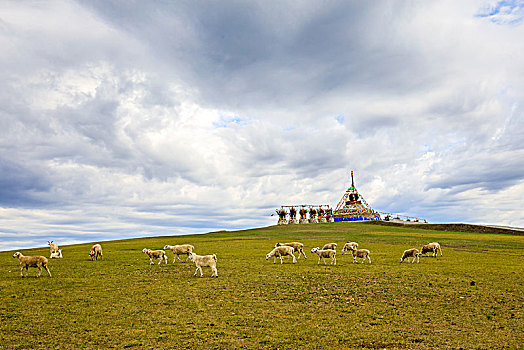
x,y
329,250
279,251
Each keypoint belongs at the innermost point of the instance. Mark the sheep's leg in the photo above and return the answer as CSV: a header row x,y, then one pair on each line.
x,y
324,260
47,269
39,270
151,261
195,272
174,260
369,258
274,259
294,259
201,273
22,271
418,261
305,257
179,257
318,263
281,259
215,272
413,260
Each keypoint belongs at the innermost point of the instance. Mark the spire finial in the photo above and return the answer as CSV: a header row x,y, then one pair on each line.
x,y
352,181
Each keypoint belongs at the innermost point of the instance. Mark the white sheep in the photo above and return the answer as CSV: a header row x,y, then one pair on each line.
x,y
431,247
332,246
348,246
410,253
96,251
57,255
31,261
360,253
181,249
325,253
155,254
281,252
53,248
297,247
204,261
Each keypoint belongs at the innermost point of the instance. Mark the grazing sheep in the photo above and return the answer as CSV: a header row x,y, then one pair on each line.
x,y
431,247
413,252
297,247
360,253
281,252
31,261
332,246
53,248
325,253
96,251
57,255
180,250
203,261
348,246
155,254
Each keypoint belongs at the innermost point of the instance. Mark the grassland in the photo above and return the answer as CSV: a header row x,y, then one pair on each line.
x,y
472,297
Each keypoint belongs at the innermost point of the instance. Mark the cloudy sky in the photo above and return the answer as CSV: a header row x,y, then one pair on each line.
x,y
137,118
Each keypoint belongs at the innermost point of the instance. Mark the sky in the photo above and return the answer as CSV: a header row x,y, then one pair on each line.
x,y
127,119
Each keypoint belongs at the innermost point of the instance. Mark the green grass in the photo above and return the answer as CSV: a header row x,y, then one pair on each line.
x,y
472,297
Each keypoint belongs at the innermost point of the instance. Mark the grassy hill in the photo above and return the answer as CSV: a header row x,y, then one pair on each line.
x,y
472,297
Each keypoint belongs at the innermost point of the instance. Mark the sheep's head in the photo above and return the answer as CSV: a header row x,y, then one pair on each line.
x,y
278,245
144,250
268,255
191,256
314,249
166,247
16,255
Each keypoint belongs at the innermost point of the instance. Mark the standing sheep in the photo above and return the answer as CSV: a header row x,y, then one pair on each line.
x,y
53,248
330,246
348,246
203,261
297,247
431,247
281,252
31,261
96,251
181,249
155,254
325,253
413,252
360,253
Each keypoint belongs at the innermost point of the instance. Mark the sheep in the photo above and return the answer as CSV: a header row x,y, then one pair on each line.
x,y
31,261
325,253
57,255
281,252
332,246
53,248
155,254
297,247
96,251
431,247
348,246
179,250
413,252
360,253
203,261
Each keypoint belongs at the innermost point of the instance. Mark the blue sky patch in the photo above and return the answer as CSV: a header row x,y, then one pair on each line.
x,y
503,12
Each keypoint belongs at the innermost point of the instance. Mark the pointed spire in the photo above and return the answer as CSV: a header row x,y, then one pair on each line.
x,y
352,181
